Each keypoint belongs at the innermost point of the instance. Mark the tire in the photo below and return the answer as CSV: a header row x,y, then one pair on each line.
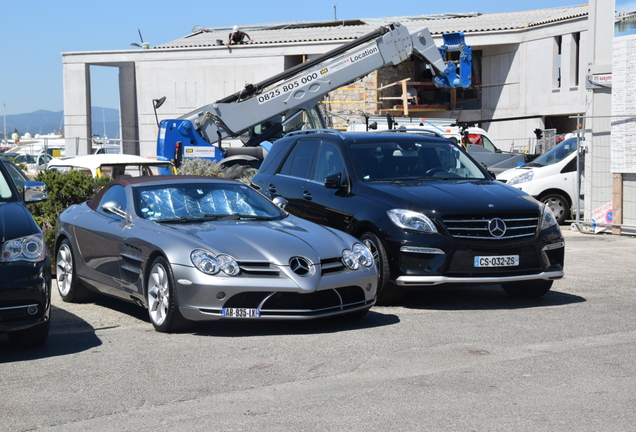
x,y
68,285
163,306
388,293
559,206
235,172
32,337
530,289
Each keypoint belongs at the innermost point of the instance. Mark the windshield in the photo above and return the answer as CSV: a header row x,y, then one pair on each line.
x,y
412,159
203,201
556,154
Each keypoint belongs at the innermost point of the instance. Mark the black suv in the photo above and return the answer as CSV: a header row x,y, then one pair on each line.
x,y
25,265
429,213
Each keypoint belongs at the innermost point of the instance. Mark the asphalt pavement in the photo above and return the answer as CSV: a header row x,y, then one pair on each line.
x,y
445,359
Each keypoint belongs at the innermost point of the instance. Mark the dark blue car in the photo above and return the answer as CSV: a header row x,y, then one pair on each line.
x,y
25,265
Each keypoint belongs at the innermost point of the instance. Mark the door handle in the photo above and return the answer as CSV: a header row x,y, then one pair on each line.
x,y
307,195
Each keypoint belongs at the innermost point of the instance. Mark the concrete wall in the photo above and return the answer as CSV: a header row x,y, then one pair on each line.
x,y
517,73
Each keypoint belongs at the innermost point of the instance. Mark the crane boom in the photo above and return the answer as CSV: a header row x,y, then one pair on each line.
x,y
300,88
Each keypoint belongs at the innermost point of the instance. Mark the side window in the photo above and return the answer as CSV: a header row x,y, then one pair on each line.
x,y
488,144
16,175
300,161
115,193
329,161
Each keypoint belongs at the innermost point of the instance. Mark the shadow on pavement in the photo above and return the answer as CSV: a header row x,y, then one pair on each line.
x,y
271,328
69,334
483,297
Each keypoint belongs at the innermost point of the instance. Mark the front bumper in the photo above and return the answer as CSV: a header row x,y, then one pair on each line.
x,y
438,280
427,260
25,294
203,297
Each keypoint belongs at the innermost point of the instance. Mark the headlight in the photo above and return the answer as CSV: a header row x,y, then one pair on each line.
x,y
212,264
357,256
411,220
30,248
523,178
547,218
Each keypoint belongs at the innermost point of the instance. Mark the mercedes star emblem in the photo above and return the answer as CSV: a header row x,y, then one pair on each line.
x,y
497,227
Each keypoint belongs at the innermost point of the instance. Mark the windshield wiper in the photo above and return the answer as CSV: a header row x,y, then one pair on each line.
x,y
184,219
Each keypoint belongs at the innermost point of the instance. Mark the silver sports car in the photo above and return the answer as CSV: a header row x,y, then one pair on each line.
x,y
195,248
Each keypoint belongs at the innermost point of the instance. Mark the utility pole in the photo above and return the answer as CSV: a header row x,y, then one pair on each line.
x,y
335,15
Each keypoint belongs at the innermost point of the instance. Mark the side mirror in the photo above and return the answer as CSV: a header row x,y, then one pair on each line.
x,y
334,181
280,202
34,191
114,208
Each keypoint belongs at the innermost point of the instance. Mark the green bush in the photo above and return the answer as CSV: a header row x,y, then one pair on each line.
x,y
205,167
199,166
64,190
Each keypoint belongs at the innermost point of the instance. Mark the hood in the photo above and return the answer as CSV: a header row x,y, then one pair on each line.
x,y
452,197
16,221
274,241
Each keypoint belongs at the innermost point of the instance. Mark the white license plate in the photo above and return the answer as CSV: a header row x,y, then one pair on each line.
x,y
240,313
497,261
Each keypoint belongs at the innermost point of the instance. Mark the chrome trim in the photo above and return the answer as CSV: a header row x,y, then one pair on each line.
x,y
437,280
18,307
494,238
415,249
552,246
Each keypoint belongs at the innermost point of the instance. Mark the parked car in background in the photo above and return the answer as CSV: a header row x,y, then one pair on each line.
x,y
25,265
551,178
32,163
112,165
202,249
426,210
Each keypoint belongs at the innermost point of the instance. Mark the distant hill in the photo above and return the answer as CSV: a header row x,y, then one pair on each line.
x,y
47,122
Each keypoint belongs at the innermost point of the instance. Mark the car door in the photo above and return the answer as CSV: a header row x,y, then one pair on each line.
x,y
288,181
98,237
321,204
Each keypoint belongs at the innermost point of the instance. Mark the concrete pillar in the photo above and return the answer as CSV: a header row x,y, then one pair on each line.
x,y
77,108
128,108
598,178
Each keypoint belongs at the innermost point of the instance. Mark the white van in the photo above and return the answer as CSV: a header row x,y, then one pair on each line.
x,y
550,178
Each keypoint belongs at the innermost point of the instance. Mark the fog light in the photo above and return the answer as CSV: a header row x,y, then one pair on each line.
x,y
220,295
369,287
32,310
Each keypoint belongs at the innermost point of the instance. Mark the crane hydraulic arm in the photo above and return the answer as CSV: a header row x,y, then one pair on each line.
x,y
299,89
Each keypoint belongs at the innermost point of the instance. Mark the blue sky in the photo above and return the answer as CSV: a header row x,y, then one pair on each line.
x,y
34,33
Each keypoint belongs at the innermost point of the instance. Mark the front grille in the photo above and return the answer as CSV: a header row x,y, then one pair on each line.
x,y
266,269
476,227
331,265
258,268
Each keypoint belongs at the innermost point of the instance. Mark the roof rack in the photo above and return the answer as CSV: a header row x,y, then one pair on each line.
x,y
410,130
310,131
